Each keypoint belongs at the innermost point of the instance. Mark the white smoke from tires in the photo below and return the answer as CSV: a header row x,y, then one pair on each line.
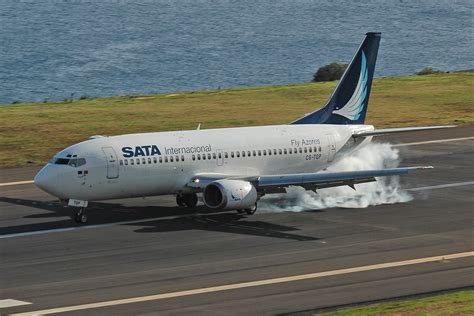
x,y
386,190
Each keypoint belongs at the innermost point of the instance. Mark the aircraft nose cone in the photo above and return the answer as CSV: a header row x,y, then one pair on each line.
x,y
47,180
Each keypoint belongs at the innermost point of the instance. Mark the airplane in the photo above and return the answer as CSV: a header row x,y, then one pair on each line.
x,y
232,168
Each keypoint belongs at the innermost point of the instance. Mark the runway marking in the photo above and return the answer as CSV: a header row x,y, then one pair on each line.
x,y
6,184
145,220
242,285
134,221
12,303
441,186
66,229
433,141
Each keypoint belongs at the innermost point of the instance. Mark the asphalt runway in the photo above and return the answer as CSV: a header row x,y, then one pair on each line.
x,y
146,256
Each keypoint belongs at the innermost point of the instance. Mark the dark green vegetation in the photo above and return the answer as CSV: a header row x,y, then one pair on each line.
x,y
30,133
428,71
329,72
456,303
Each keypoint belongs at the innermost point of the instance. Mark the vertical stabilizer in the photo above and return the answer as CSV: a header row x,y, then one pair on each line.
x,y
348,103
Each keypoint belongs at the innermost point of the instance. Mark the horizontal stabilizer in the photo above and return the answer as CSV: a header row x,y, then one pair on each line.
x,y
385,131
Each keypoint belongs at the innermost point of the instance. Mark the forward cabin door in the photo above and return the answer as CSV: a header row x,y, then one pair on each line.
x,y
331,147
112,163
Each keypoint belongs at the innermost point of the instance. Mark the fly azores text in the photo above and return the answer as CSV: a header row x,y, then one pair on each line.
x,y
153,150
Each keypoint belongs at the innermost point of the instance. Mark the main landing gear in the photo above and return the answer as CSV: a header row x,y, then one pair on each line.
x,y
81,216
249,211
187,200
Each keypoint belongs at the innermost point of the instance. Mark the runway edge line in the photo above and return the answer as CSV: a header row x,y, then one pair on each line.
x,y
249,284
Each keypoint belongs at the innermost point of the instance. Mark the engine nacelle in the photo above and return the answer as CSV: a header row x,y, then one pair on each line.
x,y
230,195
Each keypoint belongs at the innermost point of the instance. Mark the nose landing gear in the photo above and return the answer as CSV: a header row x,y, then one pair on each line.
x,y
79,207
81,216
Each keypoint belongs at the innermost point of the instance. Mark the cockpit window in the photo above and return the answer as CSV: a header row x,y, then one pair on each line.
x,y
74,162
61,161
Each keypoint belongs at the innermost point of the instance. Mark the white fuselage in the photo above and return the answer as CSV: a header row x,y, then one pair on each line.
x,y
163,163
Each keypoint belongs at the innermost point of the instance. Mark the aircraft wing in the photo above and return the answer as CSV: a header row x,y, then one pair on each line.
x,y
384,131
310,181
320,180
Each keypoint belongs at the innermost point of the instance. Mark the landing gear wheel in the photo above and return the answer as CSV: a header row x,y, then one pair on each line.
x,y
190,200
81,217
252,210
180,200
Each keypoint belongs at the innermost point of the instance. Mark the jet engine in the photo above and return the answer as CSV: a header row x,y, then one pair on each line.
x,y
230,195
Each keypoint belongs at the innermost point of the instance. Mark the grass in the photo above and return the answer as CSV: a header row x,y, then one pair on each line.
x,y
30,133
456,303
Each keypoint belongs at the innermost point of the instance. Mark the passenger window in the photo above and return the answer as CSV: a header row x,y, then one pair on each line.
x,y
160,160
254,153
305,150
300,150
132,162
203,156
194,157
220,155
144,161
121,162
249,153
226,155
177,158
284,151
231,154
154,159
274,152
290,150
243,153
237,154
264,152
182,158
214,155
149,160
171,158
319,148
259,152
310,149
138,161
315,149
269,152
199,156
279,151
126,162
209,156
166,159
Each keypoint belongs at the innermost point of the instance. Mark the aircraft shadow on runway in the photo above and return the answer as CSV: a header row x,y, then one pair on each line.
x,y
199,218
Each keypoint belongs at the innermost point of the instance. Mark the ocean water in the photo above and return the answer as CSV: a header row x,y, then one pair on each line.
x,y
51,49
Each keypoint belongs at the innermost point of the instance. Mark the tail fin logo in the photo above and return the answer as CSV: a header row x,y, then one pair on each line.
x,y
355,106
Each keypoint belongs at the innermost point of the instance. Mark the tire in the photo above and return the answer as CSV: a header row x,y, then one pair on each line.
x,y
190,200
81,217
180,200
252,210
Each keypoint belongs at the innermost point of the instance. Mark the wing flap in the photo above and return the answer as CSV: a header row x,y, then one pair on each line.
x,y
330,179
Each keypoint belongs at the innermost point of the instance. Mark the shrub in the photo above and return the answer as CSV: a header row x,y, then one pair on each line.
x,y
329,72
427,71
